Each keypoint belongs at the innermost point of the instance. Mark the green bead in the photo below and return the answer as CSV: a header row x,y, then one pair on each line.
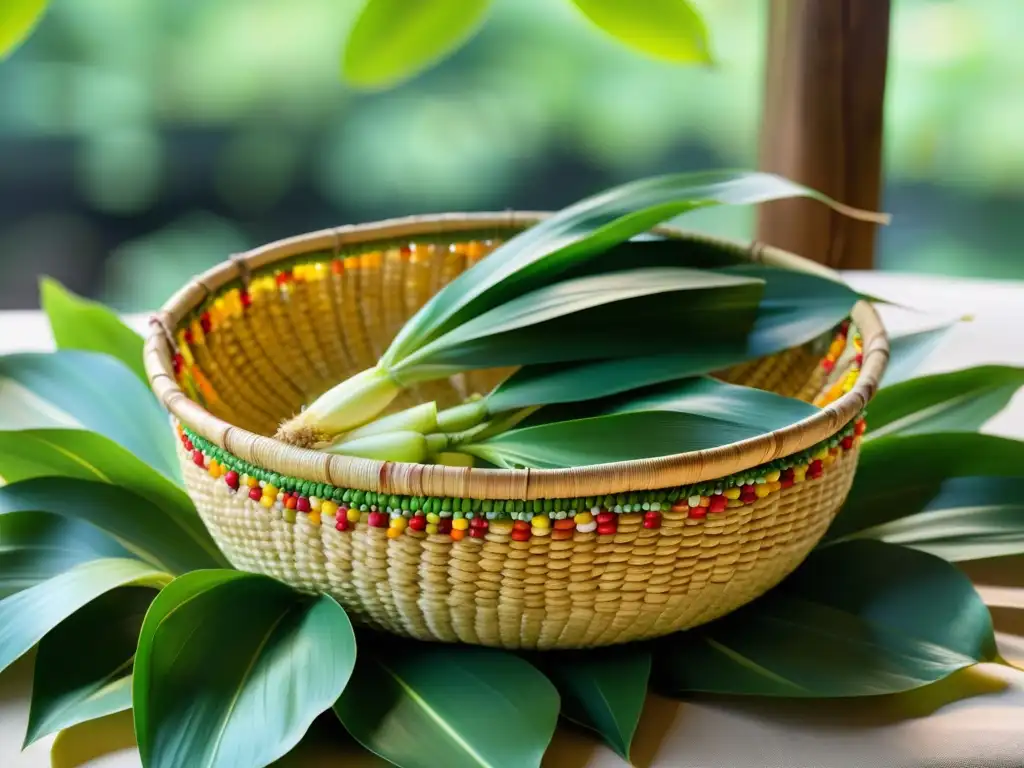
x,y
358,497
467,505
488,506
499,506
394,502
477,504
446,505
435,505
414,504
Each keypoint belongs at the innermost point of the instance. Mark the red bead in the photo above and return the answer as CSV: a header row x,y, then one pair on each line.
x,y
246,299
787,474
283,277
302,505
606,529
815,469
188,445
859,359
204,321
290,502
418,522
478,522
828,365
341,523
378,520
652,522
748,498
787,483
255,493
189,336
337,266
197,458
179,364
698,513
859,427
847,443
603,518
444,525
477,533
521,534
231,478
520,525
718,503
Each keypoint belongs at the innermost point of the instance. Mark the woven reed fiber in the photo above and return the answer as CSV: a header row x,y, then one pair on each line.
x,y
251,341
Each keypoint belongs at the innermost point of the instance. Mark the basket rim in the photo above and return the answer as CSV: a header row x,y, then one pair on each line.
x,y
464,482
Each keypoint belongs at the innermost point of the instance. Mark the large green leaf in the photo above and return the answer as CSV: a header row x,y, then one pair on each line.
x,y
689,415
537,256
26,617
603,689
971,518
78,323
17,19
943,402
858,619
83,667
96,392
35,546
670,30
899,476
596,317
232,668
393,40
174,542
422,706
908,350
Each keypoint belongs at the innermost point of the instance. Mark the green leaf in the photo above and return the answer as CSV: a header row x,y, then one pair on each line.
x,y
401,705
943,402
232,668
670,30
603,689
899,476
30,614
17,20
907,351
694,414
596,317
970,518
174,542
93,391
83,667
78,323
35,546
392,40
858,619
540,254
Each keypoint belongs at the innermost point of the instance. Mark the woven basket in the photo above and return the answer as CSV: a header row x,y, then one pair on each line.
x,y
579,557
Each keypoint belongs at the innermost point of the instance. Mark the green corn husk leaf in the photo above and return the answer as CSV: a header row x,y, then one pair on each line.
x,y
540,254
599,316
907,351
694,414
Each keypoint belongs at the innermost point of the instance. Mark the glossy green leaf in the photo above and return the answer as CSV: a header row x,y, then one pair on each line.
x,y
83,667
585,318
860,618
35,546
392,40
943,402
30,614
899,476
174,542
907,351
670,30
689,415
232,668
540,254
78,323
93,391
795,308
400,705
970,518
17,20
603,689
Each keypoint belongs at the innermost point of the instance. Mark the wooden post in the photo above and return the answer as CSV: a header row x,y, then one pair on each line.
x,y
822,124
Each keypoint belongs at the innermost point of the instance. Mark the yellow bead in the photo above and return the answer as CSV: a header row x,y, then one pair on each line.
x,y
705,501
251,481
775,487
461,524
431,528
541,522
394,533
732,493
734,503
761,490
352,515
314,518
433,517
773,477
269,490
215,469
821,454
399,522
328,508
583,518
267,501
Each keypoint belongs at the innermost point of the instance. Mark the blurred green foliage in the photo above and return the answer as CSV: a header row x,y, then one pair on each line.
x,y
142,140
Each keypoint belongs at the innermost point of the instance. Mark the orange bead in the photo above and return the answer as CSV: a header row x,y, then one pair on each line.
x,y
457,535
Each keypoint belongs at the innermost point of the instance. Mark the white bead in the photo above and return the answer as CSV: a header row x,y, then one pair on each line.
x,y
587,527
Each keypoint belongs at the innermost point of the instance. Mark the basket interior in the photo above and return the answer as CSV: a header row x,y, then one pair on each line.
x,y
257,349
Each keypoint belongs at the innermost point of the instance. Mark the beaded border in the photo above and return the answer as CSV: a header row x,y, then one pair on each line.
x,y
559,518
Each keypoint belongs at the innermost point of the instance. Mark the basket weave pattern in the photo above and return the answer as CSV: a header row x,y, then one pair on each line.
x,y
260,336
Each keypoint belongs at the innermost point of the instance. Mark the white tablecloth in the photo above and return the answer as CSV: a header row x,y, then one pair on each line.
x,y
973,720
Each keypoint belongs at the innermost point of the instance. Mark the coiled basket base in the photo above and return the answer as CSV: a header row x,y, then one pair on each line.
x,y
585,591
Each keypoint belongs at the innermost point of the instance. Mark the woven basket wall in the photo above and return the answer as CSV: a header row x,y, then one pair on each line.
x,y
520,559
